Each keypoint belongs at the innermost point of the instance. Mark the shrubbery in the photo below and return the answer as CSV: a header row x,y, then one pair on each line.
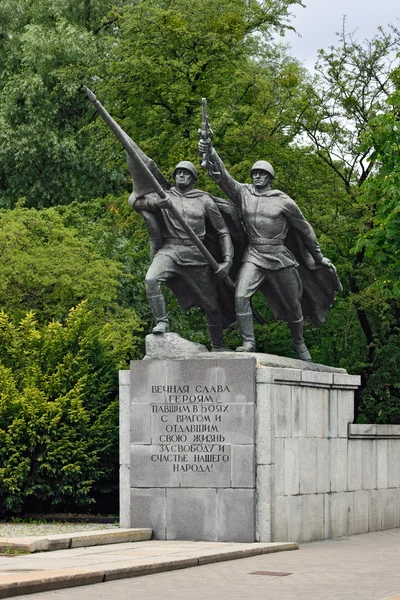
x,y
58,412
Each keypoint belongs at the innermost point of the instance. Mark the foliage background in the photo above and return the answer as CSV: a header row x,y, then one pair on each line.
x,y
74,255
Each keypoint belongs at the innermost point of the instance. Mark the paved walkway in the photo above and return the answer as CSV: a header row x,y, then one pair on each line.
x,y
79,563
363,567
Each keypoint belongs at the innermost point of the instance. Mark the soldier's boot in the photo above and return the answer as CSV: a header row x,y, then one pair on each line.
x,y
296,329
246,328
217,338
158,308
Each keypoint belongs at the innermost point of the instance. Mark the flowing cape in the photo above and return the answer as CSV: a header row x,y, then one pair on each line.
x,y
319,282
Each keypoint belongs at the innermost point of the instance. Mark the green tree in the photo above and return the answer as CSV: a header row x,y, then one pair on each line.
x,y
350,94
47,49
170,54
48,268
58,413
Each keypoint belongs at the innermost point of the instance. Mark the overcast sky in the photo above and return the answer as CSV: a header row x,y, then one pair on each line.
x,y
321,19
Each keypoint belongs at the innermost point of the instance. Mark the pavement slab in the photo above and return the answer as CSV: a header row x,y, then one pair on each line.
x,y
72,540
28,573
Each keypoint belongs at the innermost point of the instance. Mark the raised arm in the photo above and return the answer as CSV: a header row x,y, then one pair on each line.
x,y
219,173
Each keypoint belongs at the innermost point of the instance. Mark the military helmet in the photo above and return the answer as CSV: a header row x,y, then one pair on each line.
x,y
188,166
263,165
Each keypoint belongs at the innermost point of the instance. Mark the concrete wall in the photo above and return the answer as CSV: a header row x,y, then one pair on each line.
x,y
317,475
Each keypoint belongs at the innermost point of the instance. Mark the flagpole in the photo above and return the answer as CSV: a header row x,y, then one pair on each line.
x,y
131,150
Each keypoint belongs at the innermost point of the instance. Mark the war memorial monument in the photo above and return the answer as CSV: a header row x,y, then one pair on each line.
x,y
238,445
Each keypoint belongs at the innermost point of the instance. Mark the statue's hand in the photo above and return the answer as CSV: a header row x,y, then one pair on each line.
x,y
164,202
204,146
325,262
223,269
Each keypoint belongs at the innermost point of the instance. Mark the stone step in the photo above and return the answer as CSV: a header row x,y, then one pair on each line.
x,y
65,541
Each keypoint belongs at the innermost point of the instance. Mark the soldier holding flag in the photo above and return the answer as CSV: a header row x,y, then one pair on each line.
x,y
178,261
190,243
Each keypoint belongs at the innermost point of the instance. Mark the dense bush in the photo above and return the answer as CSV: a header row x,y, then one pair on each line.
x,y
58,412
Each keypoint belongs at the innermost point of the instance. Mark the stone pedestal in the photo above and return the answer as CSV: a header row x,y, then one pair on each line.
x,y
251,447
188,449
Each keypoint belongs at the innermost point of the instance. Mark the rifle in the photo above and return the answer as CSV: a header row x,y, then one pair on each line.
x,y
206,133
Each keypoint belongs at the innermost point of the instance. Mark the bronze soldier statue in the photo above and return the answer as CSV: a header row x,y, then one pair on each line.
x,y
283,258
177,261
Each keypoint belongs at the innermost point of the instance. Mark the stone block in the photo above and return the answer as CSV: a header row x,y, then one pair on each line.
x,y
124,496
388,499
338,463
308,466
280,519
264,375
243,467
368,464
337,507
192,514
264,503
361,430
299,412
235,515
287,375
209,470
264,425
124,377
394,463
282,410
239,376
291,467
374,511
345,411
279,467
296,518
323,466
398,507
140,424
313,517
148,509
148,471
332,425
146,377
382,464
29,544
124,393
389,431
315,378
360,518
317,411
109,536
354,465
342,380
124,426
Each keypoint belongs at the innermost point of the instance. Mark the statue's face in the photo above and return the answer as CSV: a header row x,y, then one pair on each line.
x,y
260,178
183,178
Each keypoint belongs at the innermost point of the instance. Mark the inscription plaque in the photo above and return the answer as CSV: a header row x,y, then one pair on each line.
x,y
192,426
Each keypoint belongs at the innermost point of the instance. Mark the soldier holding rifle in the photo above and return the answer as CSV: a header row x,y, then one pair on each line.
x,y
283,258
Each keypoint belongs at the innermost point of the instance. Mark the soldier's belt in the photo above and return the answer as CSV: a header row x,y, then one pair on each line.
x,y
266,242
180,241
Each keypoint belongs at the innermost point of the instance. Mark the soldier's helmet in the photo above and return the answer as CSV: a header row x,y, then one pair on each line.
x,y
185,164
263,165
